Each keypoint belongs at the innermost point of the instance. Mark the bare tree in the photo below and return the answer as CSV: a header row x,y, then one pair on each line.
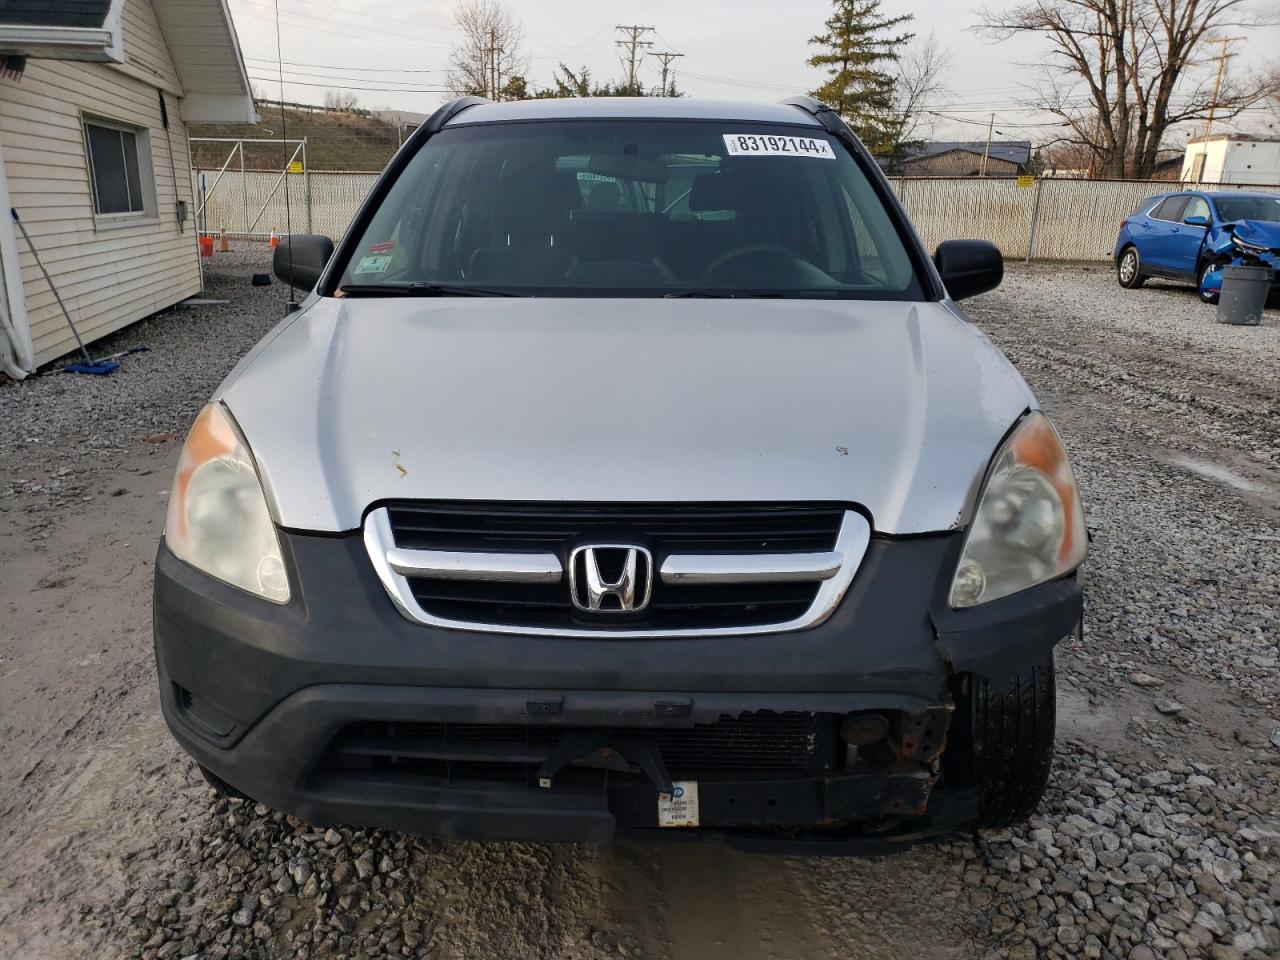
x,y
1273,97
1122,72
340,100
489,61
919,79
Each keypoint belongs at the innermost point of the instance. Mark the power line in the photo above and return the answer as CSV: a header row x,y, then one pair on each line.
x,y
326,66
339,86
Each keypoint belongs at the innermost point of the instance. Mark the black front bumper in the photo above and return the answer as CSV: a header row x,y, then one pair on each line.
x,y
257,692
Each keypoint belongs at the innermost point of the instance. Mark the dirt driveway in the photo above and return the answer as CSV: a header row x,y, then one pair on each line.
x,y
1160,837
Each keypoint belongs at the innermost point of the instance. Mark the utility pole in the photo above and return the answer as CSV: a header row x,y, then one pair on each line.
x,y
1222,59
632,44
666,59
493,51
986,152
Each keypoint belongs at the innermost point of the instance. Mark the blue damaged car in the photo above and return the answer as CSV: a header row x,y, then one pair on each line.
x,y
1191,236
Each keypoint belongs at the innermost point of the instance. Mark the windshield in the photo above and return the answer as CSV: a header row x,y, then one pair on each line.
x,y
633,208
1248,208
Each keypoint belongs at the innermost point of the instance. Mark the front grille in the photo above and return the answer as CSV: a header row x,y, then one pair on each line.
x,y
663,529
760,744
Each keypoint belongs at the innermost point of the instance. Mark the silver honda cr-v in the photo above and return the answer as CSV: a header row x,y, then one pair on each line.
x,y
629,469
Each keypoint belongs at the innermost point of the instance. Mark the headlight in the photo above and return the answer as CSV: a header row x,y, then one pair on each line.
x,y
218,519
1029,526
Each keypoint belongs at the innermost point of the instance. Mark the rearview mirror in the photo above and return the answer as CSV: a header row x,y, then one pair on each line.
x,y
1196,220
300,259
622,167
969,267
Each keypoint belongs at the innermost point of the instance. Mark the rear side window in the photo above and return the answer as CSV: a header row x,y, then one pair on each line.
x,y
1170,209
636,208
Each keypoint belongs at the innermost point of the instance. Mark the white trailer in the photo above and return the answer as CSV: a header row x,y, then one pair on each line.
x,y
1232,158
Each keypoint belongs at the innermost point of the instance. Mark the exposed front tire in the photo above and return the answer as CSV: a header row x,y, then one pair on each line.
x,y
1129,269
1206,296
1002,742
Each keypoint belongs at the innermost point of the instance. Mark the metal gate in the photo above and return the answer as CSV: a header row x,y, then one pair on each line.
x,y
243,197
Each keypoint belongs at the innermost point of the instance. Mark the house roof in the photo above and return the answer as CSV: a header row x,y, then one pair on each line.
x,y
68,30
1011,151
200,36
67,13
206,52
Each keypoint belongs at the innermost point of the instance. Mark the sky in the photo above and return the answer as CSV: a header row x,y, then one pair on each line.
x,y
393,53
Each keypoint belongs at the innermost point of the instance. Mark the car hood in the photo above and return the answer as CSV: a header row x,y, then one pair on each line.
x,y
1260,233
894,406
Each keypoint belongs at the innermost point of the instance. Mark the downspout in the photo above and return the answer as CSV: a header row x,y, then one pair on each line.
x,y
17,357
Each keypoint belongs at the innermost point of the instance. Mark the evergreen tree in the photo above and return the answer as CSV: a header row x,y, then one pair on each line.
x,y
859,42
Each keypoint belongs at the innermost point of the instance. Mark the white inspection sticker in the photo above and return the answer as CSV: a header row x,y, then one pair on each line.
x,y
377,263
680,809
758,145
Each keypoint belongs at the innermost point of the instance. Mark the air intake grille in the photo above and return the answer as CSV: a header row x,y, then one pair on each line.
x,y
664,530
787,744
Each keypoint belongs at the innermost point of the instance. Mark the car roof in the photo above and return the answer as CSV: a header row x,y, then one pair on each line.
x,y
632,108
1214,195
1228,194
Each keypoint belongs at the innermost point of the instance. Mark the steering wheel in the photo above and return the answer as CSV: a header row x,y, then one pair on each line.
x,y
746,250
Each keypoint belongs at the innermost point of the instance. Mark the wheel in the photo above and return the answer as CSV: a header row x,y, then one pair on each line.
x,y
1129,269
1002,741
1207,296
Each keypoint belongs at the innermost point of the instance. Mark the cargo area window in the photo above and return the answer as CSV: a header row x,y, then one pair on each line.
x,y
118,168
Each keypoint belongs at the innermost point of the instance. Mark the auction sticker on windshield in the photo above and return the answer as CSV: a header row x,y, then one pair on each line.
x,y
680,807
758,145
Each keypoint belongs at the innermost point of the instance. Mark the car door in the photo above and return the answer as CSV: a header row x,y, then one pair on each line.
x,y
1165,223
1186,239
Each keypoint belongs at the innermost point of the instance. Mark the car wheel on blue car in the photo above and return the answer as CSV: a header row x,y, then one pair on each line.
x,y
1128,269
1209,284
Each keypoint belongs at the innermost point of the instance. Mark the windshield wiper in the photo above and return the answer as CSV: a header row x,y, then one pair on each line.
x,y
418,289
724,294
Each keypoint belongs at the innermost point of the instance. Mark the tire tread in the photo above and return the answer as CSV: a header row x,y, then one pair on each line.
x,y
1013,733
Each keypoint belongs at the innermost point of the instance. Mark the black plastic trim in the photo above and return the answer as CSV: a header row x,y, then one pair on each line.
x,y
346,246
834,124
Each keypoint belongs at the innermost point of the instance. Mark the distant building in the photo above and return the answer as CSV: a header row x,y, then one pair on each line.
x,y
964,158
1232,158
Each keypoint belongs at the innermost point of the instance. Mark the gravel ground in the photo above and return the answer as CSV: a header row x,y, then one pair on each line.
x,y
1160,836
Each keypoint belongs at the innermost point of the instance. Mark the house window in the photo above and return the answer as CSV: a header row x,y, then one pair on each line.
x,y
117,168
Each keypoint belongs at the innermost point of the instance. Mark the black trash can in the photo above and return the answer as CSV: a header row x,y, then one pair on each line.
x,y
1244,294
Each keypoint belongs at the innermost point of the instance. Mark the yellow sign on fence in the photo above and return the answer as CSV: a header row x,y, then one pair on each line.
x,y
1027,181
295,166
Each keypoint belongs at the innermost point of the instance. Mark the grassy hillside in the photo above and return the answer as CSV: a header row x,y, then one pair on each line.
x,y
336,140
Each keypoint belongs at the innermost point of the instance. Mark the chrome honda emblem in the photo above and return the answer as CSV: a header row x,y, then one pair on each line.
x,y
610,578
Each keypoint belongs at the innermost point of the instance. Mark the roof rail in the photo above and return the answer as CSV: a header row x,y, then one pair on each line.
x,y
829,119
437,120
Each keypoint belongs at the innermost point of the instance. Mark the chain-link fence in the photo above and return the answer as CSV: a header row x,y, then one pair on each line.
x,y
1046,219
254,203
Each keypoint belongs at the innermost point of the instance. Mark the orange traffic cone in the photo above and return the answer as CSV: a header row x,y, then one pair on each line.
x,y
223,246
275,239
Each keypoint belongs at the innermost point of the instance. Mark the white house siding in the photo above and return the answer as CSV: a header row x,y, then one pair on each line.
x,y
108,274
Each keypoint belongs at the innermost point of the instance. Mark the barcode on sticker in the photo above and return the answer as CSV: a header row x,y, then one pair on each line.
x,y
761,145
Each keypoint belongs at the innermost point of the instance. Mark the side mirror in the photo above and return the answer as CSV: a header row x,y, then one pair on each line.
x,y
969,267
306,254
1196,220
